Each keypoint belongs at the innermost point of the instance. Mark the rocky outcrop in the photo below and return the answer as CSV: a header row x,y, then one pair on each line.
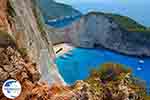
x,y
31,34
12,66
23,24
93,88
57,10
4,24
96,30
96,87
27,31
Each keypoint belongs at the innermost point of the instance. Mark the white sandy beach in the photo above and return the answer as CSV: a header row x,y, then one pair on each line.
x,y
65,48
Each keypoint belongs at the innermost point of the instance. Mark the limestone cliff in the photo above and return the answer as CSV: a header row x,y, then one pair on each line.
x,y
21,19
96,30
51,9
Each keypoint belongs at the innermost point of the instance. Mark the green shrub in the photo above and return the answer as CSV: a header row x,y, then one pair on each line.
x,y
38,17
125,22
129,24
110,71
106,79
4,36
10,10
23,51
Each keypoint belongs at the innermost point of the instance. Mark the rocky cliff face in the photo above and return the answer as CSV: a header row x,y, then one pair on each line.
x,y
13,66
96,30
3,16
51,9
22,21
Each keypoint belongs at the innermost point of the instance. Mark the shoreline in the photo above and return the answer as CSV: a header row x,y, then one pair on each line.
x,y
61,49
66,47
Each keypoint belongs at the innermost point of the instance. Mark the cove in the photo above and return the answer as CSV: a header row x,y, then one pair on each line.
x,y
77,64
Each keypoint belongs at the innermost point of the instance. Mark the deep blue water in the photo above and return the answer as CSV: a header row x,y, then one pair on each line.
x,y
78,63
61,22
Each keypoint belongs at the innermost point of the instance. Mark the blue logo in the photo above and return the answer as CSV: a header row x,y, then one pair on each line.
x,y
11,89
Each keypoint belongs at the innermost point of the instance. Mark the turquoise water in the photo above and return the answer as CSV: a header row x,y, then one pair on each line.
x,y
62,22
135,9
77,64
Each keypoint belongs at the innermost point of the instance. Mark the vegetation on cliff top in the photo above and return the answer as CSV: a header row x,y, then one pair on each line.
x,y
110,82
125,22
128,23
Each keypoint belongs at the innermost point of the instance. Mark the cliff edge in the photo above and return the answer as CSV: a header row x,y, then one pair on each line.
x,y
99,30
22,28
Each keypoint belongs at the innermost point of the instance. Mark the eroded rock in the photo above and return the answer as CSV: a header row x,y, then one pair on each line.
x,y
3,75
12,66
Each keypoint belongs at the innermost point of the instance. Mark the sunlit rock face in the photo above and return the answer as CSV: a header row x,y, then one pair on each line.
x,y
3,14
96,30
27,31
5,24
23,22
13,66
